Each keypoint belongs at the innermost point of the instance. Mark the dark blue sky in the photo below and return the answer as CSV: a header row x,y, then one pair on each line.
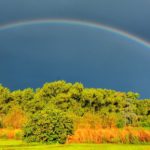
x,y
128,15
36,53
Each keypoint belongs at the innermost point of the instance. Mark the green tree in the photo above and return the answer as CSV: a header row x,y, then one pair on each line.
x,y
48,126
4,99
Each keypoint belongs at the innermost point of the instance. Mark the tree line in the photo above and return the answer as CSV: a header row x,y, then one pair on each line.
x,y
59,103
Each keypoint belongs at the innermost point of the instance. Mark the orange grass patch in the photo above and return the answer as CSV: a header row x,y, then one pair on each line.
x,y
109,135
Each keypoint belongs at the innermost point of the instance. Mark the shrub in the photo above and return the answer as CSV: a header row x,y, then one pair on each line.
x,y
120,123
10,134
145,121
15,118
88,120
48,126
108,120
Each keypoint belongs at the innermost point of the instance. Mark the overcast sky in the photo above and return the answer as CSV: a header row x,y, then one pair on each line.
x,y
32,54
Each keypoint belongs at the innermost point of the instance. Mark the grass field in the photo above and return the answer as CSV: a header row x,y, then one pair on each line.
x,y
19,145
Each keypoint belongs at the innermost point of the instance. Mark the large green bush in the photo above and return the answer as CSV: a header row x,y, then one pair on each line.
x,y
48,126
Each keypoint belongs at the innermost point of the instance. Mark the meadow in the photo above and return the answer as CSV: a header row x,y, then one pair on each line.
x,y
19,145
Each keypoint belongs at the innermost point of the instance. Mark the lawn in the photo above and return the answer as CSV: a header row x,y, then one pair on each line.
x,y
19,145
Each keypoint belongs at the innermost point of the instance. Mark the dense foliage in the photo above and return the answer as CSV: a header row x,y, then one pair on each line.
x,y
56,102
48,126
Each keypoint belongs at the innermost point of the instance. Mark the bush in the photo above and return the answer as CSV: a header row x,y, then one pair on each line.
x,y
10,134
48,126
145,121
108,120
120,123
16,118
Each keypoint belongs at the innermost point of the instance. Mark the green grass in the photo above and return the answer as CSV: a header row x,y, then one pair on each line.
x,y
19,145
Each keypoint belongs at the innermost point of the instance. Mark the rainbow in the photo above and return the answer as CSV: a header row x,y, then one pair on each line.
x,y
77,22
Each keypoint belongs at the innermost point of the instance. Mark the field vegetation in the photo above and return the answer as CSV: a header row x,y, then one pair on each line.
x,y
61,112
